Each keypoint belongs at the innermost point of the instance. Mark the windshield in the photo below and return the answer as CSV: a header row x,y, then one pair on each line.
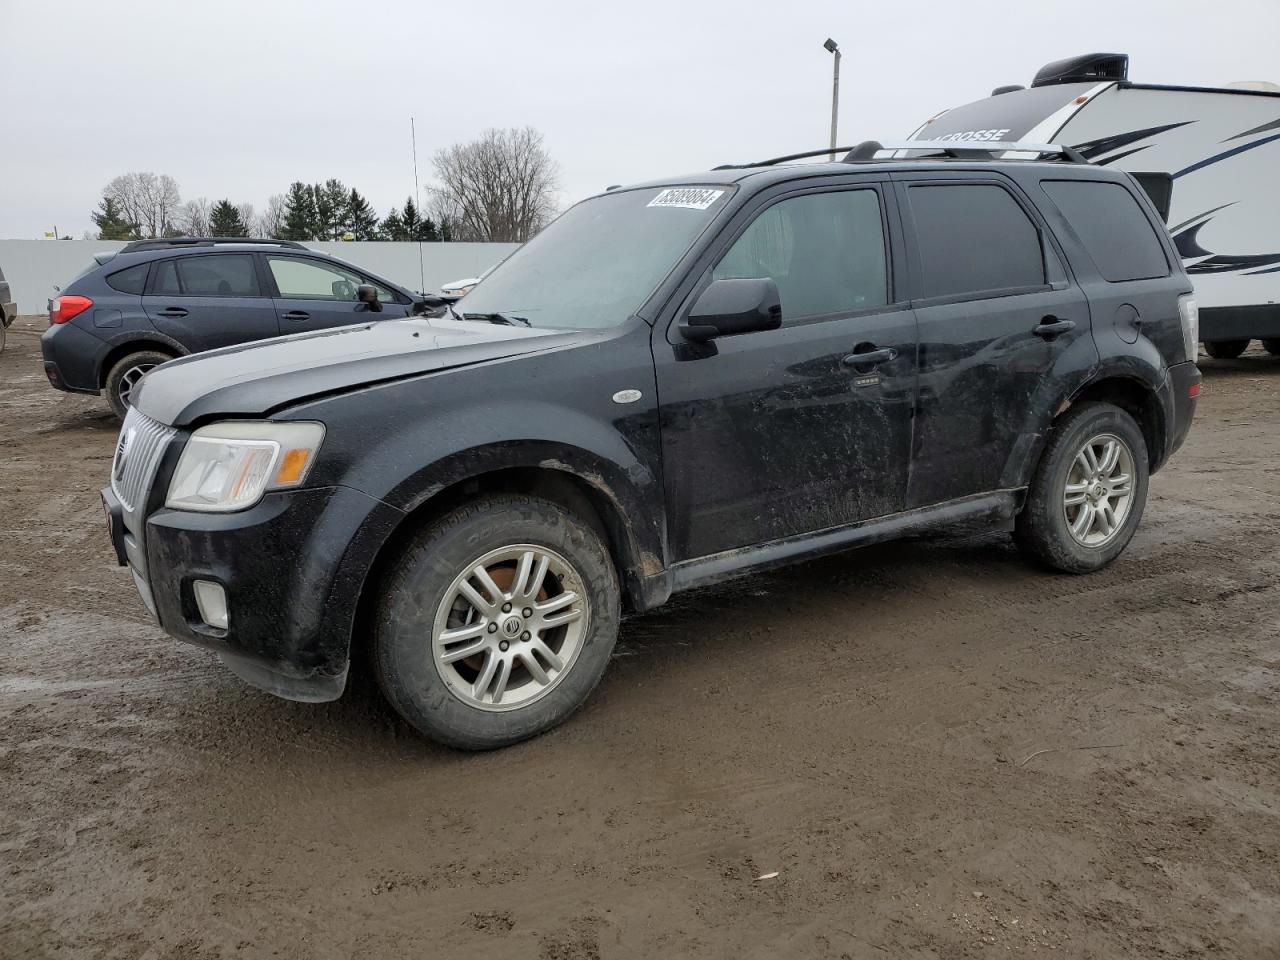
x,y
595,265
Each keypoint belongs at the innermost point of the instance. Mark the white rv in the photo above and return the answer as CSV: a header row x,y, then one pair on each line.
x,y
1220,145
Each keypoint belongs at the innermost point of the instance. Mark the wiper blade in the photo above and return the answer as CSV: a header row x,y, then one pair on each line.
x,y
502,318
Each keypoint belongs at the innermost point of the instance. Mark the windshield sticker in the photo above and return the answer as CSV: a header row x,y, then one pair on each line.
x,y
688,198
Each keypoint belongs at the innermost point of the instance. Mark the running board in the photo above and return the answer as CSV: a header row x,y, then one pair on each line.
x,y
1002,505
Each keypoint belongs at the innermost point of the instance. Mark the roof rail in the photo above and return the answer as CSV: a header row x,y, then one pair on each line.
x,y
956,149
166,242
964,149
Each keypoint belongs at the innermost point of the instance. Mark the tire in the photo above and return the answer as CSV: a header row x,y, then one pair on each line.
x,y
1225,349
424,595
124,375
3,331
1272,346
1044,527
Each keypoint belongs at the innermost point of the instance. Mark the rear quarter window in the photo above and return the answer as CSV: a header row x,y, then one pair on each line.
x,y
132,280
1112,226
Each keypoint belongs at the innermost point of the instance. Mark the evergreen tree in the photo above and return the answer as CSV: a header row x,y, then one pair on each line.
x,y
299,213
412,219
392,228
427,231
110,221
225,221
361,219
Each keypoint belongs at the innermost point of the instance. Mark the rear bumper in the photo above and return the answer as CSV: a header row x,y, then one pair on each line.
x,y
1182,387
7,312
292,569
72,358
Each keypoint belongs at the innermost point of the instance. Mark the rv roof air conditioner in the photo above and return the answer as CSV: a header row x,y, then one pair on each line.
x,y
1090,66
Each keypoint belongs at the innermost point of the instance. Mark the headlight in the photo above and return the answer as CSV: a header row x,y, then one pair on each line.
x,y
229,466
1189,314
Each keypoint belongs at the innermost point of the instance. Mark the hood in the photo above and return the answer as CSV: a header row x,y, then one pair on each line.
x,y
254,379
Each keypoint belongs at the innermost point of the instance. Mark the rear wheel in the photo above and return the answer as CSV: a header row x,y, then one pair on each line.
x,y
1088,492
1225,349
1272,346
123,378
496,622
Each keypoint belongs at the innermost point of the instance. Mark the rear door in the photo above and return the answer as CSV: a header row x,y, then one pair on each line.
x,y
312,294
209,300
1001,327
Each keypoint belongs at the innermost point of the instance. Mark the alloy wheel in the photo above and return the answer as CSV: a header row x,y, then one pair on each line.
x,y
510,627
1098,494
129,379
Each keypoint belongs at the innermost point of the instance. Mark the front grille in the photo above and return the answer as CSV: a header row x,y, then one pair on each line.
x,y
138,451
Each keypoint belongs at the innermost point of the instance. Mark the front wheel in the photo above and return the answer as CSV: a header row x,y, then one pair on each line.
x,y
496,622
1088,492
1225,349
1272,346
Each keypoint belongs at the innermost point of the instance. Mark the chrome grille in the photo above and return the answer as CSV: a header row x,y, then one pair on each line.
x,y
138,451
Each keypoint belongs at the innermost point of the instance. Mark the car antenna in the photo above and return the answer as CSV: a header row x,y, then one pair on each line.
x,y
417,198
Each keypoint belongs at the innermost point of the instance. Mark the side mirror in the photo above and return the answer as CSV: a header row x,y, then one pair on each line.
x,y
367,293
729,307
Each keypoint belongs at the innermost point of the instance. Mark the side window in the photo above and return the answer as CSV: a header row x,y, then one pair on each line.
x,y
132,280
825,251
299,279
1112,226
221,275
974,238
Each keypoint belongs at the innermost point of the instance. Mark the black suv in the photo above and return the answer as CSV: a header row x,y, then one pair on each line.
x,y
159,299
672,384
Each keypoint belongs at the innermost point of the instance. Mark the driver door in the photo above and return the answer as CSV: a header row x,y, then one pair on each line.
x,y
781,433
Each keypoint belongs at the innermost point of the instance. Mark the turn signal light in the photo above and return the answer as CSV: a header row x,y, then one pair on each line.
x,y
292,466
62,309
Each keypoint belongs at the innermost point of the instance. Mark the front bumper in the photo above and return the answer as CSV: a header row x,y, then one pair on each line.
x,y
292,568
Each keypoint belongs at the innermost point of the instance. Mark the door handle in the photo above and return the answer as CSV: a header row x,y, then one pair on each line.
x,y
297,315
173,312
1051,327
871,358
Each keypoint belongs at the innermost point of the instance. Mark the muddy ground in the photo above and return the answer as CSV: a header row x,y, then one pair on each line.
x,y
941,751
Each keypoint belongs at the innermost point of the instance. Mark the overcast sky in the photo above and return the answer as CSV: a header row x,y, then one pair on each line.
x,y
237,99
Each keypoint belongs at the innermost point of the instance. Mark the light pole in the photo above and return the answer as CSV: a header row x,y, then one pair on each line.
x,y
834,48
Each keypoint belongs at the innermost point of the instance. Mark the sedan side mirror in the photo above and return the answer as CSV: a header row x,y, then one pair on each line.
x,y
730,307
367,293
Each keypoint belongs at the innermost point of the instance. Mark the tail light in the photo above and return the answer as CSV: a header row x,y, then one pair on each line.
x,y
65,307
1189,315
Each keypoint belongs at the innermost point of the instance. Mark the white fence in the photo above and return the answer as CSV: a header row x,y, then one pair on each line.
x,y
34,267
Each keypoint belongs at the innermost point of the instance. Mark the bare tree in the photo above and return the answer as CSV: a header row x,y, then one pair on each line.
x,y
148,200
248,219
270,222
192,218
501,187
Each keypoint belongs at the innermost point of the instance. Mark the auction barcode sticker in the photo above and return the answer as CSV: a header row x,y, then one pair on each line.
x,y
690,198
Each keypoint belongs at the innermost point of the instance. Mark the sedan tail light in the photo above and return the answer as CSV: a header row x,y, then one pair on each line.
x,y
62,309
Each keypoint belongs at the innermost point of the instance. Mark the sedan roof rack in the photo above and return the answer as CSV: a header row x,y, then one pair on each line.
x,y
166,242
955,149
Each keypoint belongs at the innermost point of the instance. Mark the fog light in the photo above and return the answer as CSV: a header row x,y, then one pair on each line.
x,y
211,600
